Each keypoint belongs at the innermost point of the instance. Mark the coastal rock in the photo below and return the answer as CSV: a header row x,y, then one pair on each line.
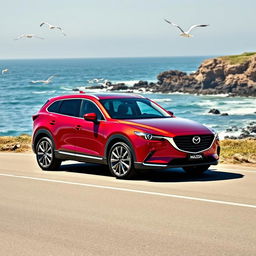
x,y
174,80
141,84
251,129
232,75
214,111
118,86
247,132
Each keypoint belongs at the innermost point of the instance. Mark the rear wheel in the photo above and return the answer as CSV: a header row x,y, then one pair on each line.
x,y
120,161
45,155
196,170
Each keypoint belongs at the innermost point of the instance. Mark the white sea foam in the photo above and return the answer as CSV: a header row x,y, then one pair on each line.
x,y
44,92
241,111
66,88
224,95
162,100
94,90
222,134
208,103
128,83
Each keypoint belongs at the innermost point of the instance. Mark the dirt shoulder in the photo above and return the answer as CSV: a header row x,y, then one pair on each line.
x,y
232,151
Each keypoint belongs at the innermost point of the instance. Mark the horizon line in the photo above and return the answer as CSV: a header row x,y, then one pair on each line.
x,y
120,57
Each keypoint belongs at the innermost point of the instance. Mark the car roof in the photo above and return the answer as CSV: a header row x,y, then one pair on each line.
x,y
98,96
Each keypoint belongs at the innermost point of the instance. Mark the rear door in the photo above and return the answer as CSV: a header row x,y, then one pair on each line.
x,y
64,124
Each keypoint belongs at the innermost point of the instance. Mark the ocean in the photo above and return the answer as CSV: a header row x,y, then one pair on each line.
x,y
20,98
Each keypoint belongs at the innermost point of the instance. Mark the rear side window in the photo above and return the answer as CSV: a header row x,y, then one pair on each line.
x,y
70,107
54,107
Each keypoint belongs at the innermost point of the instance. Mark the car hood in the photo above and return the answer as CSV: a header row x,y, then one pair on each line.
x,y
168,126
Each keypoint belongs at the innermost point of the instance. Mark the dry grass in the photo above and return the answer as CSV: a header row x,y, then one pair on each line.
x,y
238,59
232,151
238,151
22,143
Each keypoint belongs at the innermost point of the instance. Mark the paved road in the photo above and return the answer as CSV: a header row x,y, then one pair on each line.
x,y
81,210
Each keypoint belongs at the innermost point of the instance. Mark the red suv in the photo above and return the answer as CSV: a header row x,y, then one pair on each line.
x,y
125,132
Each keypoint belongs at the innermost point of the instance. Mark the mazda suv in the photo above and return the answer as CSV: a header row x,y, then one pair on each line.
x,y
125,132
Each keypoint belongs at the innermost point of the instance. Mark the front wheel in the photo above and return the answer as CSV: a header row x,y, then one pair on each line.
x,y
196,170
120,161
45,155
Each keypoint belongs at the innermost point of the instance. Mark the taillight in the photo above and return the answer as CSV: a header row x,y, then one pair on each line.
x,y
34,117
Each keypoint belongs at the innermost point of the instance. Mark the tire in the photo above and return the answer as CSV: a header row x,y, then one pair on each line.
x,y
45,155
120,161
196,170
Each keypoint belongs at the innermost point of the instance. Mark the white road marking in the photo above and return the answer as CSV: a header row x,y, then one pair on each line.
x,y
132,190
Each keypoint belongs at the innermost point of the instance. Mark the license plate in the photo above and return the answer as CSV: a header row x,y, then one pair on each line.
x,y
195,157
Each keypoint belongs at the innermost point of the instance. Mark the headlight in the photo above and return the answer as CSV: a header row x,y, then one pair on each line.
x,y
146,136
215,133
149,136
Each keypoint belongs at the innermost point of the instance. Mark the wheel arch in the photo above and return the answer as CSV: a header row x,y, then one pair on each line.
x,y
118,138
40,134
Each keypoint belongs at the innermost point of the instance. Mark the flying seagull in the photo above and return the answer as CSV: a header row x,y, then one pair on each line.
x,y
186,33
28,36
52,27
49,80
5,71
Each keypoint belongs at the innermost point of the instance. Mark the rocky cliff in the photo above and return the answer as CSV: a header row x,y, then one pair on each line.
x,y
234,75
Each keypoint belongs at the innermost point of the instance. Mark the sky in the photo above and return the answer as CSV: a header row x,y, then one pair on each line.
x,y
126,28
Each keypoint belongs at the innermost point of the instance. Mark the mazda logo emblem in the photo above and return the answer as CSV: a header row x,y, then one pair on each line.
x,y
196,139
148,136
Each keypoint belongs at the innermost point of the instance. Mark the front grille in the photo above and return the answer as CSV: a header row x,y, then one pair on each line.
x,y
185,143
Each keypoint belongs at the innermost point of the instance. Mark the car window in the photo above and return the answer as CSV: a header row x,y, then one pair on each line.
x,y
146,109
70,107
54,107
89,107
133,109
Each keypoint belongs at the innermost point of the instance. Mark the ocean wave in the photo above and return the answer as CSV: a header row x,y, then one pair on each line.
x,y
128,83
242,111
222,134
162,100
84,89
208,103
44,92
66,88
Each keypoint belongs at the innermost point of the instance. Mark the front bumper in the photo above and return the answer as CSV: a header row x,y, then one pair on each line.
x,y
165,154
139,165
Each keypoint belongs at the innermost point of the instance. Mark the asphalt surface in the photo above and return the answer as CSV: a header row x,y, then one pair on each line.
x,y
82,210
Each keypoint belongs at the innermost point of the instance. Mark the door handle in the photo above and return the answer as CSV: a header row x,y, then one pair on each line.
x,y
52,122
78,127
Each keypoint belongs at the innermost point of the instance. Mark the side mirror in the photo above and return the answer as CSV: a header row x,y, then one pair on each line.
x,y
90,117
170,112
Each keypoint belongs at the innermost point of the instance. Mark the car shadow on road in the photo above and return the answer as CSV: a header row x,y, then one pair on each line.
x,y
166,175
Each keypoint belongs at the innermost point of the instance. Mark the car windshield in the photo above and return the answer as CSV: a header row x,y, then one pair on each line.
x,y
133,108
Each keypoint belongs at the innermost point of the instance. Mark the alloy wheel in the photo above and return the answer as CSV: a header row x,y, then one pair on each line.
x,y
44,153
120,160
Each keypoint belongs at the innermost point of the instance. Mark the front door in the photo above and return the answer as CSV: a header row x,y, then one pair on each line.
x,y
91,135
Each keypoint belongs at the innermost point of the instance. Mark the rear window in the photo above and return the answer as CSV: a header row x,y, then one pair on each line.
x,y
54,107
70,107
